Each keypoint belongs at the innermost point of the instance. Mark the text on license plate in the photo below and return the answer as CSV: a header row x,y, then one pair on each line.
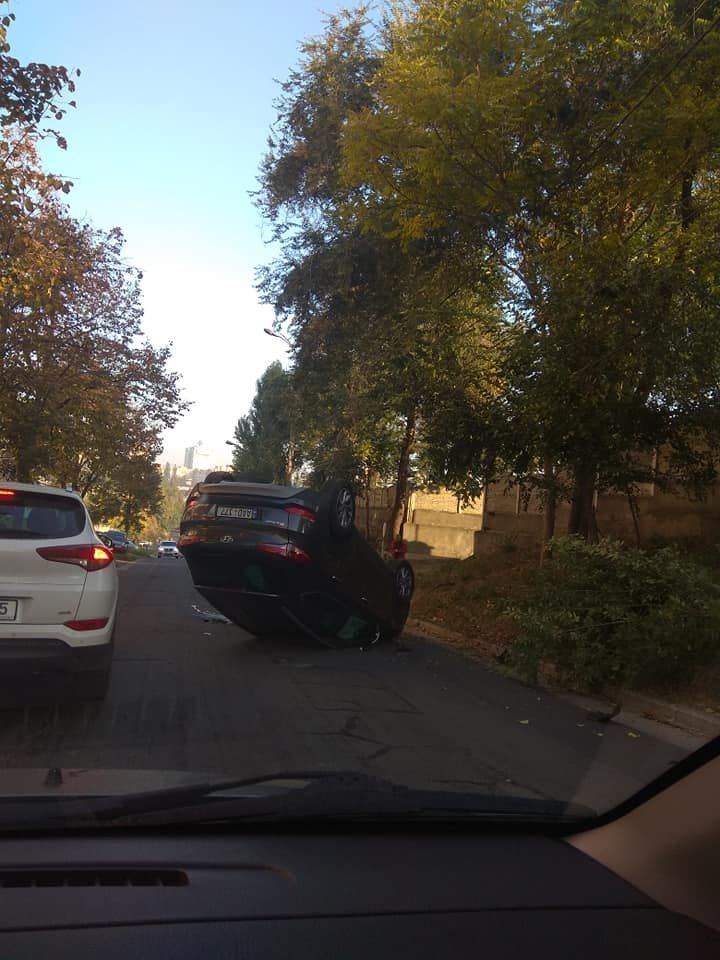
x,y
237,513
8,609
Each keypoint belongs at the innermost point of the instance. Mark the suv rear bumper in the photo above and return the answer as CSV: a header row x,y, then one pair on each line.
x,y
30,649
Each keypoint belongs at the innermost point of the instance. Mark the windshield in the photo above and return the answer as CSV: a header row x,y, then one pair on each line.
x,y
385,358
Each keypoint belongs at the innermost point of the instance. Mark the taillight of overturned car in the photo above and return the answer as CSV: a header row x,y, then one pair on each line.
x,y
302,512
288,551
186,539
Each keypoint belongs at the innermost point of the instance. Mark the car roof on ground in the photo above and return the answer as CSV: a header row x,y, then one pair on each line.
x,y
38,488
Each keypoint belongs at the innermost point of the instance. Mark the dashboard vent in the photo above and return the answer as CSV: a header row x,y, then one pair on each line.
x,y
113,877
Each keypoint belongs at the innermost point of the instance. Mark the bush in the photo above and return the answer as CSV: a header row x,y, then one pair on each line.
x,y
610,614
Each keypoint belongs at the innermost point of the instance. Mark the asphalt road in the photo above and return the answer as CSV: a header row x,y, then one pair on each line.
x,y
189,694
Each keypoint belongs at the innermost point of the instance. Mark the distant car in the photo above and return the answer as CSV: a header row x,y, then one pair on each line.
x,y
168,548
119,540
275,559
58,589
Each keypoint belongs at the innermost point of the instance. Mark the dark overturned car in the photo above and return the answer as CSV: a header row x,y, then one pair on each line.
x,y
276,559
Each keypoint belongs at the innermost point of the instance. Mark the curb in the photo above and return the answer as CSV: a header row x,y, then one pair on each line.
x,y
705,723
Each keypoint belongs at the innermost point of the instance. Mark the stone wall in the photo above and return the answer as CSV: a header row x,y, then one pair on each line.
x,y
436,527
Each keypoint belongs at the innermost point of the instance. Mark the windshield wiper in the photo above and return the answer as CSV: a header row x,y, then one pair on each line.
x,y
295,795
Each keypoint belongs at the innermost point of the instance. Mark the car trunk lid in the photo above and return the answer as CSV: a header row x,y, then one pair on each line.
x,y
45,591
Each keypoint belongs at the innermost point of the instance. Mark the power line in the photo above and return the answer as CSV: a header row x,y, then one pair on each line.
x,y
636,106
656,53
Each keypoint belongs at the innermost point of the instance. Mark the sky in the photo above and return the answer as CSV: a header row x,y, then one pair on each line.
x,y
174,106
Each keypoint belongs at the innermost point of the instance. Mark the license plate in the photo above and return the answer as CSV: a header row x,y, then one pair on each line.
x,y
8,609
237,513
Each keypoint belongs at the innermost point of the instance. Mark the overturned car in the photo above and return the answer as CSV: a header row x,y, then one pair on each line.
x,y
277,559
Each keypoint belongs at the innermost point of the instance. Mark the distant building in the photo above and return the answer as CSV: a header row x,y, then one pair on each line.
x,y
189,460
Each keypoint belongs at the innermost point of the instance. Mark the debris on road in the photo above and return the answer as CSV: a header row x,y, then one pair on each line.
x,y
210,616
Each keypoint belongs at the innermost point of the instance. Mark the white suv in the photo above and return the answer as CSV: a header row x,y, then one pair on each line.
x,y
168,548
58,588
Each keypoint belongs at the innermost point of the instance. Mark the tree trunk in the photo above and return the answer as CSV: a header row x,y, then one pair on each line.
x,y
24,462
397,516
550,505
582,509
635,513
367,511
289,461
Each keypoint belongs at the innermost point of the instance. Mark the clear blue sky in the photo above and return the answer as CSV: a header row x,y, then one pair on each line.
x,y
174,108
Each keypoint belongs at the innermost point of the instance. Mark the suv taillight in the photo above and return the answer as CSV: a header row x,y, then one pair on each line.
x,y
287,550
301,512
89,556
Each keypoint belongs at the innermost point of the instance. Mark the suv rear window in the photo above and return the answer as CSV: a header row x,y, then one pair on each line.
x,y
28,515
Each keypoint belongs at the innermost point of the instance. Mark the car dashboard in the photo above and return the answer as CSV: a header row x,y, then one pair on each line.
x,y
327,895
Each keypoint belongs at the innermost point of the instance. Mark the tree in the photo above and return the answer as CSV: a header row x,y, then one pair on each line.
x,y
130,496
574,148
265,442
83,396
171,507
368,315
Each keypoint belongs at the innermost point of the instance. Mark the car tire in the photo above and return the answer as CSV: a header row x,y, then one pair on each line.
x,y
93,684
219,476
340,502
403,584
389,634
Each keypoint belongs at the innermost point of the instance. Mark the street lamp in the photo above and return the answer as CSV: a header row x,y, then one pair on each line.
x,y
280,336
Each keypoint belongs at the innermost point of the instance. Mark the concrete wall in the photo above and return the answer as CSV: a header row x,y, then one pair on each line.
x,y
379,506
444,501
664,515
435,527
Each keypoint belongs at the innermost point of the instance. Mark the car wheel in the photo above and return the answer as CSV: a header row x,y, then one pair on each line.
x,y
92,685
403,583
218,476
387,635
341,509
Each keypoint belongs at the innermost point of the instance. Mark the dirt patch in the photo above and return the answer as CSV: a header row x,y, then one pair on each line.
x,y
464,596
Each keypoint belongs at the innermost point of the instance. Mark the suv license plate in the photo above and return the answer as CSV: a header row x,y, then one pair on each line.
x,y
8,609
237,513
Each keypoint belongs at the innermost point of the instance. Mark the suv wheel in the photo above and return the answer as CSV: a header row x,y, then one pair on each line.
x,y
218,476
341,509
403,583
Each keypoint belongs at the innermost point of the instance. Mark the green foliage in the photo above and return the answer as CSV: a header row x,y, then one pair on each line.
x,y
129,495
606,614
573,147
265,440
